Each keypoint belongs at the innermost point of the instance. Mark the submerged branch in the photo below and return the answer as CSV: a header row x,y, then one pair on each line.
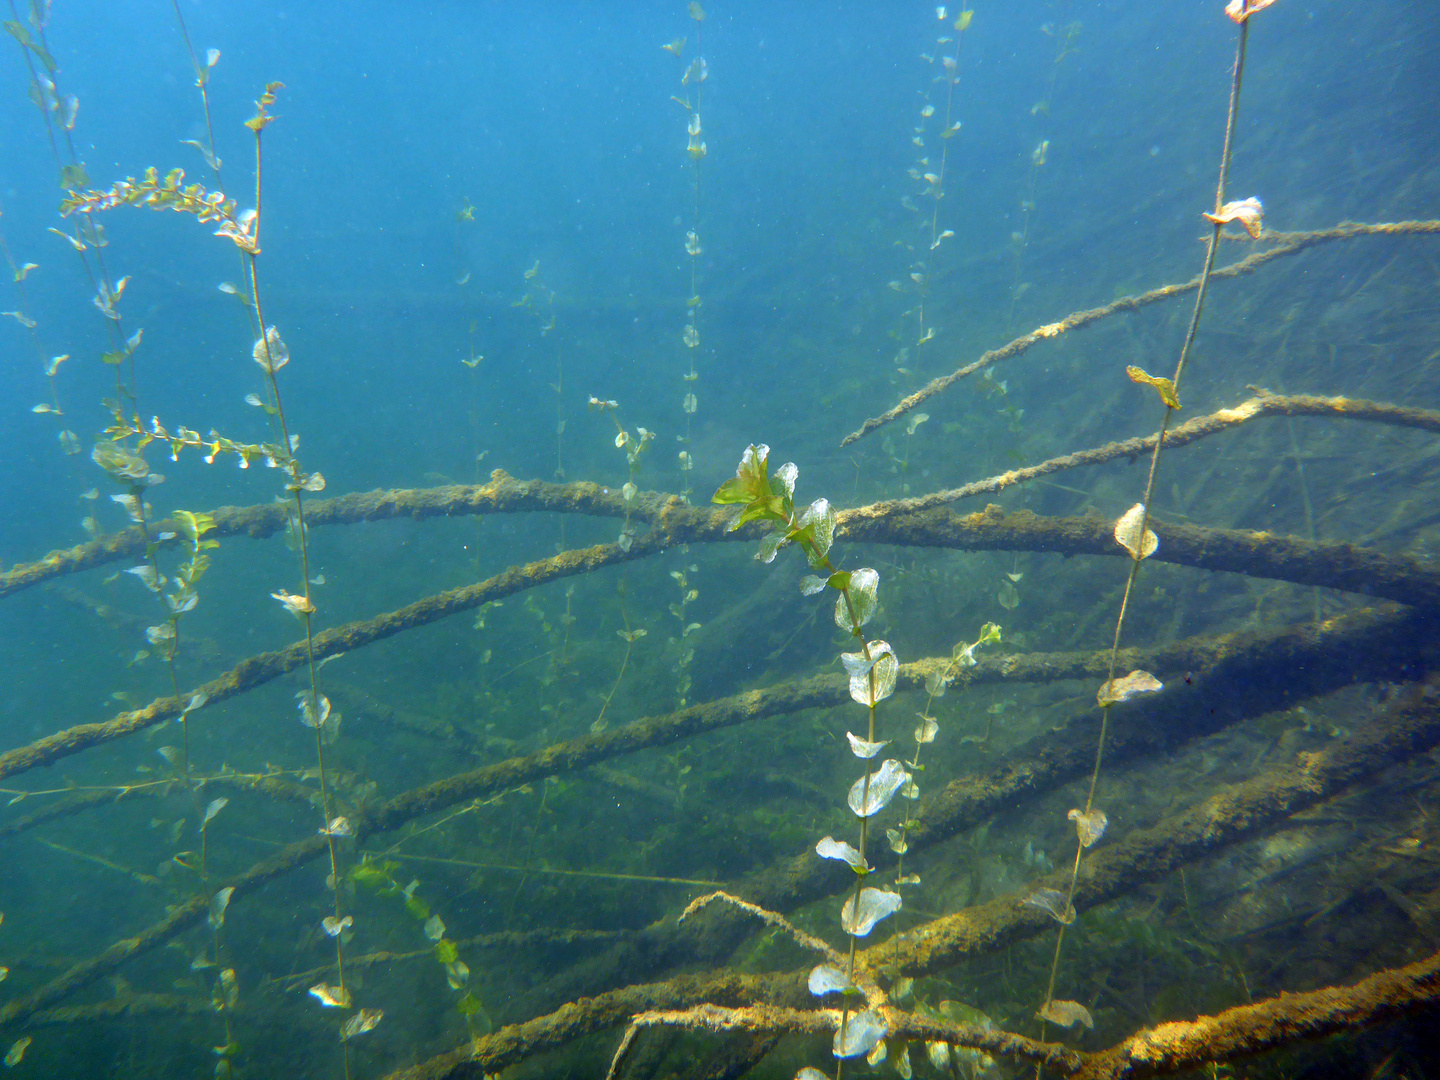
x,y
1285,244
1409,725
1262,405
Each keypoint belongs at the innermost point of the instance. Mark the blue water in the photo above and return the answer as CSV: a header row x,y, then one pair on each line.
x,y
426,157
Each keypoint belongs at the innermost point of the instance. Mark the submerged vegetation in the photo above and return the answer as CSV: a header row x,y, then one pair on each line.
x,y
623,813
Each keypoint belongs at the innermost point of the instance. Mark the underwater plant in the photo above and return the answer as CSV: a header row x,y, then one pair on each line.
x,y
872,672
697,70
1132,532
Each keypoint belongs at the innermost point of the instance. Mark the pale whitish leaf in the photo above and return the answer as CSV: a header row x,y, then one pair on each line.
x,y
1089,827
314,482
898,843
180,604
810,1073
197,701
1052,903
874,686
769,545
314,709
1123,689
628,492
875,904
785,477
158,635
927,730
902,1064
865,800
877,1055
1008,597
910,789
827,979
42,408
363,1021
335,927
218,903
810,585
862,749
830,848
172,755
132,508
339,826
20,317
908,879
1066,1014
457,974
857,664
434,928
860,1034
216,805
332,997
147,573
820,516
270,352
212,57
863,583
939,1053
1248,212
1127,533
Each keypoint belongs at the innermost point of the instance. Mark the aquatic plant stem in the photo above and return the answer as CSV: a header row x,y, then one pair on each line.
x,y
599,724
308,609
202,83
1138,555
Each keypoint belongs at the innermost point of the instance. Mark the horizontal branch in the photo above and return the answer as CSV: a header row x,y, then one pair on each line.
x,y
1247,1030
1262,405
1285,244
266,667
1227,680
1409,725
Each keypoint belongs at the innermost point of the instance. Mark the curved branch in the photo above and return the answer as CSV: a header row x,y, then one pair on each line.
x,y
1262,405
1286,244
1252,1029
265,667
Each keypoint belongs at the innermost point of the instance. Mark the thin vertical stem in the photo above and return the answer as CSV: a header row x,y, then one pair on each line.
x,y
1236,79
309,607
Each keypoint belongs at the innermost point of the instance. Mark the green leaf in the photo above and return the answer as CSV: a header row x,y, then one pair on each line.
x,y
731,491
417,907
112,358
839,580
469,1005
369,874
19,33
74,177
759,510
751,482
446,952
1164,387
